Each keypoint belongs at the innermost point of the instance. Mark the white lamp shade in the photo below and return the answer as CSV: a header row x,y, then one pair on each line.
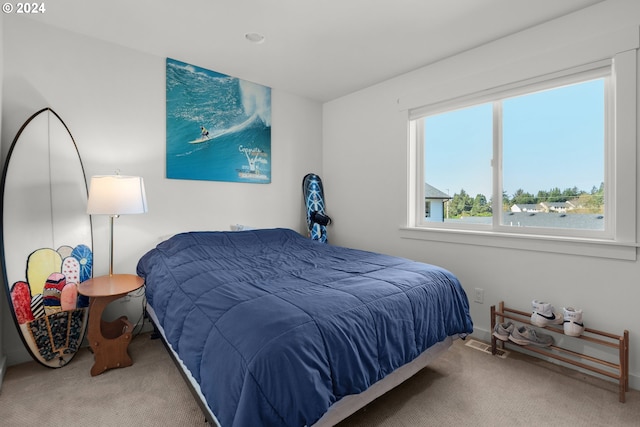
x,y
116,195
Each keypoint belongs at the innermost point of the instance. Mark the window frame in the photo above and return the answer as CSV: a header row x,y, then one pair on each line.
x,y
618,240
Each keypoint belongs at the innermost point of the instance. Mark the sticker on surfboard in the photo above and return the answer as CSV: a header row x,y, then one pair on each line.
x,y
317,219
47,309
46,239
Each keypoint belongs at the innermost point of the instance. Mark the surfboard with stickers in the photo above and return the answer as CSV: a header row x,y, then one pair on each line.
x,y
46,239
317,219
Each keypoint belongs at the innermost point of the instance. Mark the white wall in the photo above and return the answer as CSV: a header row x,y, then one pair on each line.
x,y
113,101
365,154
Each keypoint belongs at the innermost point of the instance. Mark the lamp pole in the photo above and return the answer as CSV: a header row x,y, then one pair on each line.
x,y
111,217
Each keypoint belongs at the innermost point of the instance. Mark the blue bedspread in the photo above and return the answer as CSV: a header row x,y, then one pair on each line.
x,y
276,328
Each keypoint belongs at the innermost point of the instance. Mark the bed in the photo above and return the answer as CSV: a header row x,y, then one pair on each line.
x,y
274,329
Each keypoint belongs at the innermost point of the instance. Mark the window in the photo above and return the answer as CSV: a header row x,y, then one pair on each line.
x,y
457,160
533,158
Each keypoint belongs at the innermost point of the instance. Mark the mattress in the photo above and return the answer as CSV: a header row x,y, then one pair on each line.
x,y
275,328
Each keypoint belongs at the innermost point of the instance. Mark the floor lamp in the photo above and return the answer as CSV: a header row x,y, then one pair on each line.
x,y
116,195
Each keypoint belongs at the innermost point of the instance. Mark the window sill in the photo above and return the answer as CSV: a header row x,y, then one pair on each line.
x,y
561,245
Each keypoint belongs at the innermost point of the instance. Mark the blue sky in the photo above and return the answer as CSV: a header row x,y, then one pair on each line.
x,y
551,139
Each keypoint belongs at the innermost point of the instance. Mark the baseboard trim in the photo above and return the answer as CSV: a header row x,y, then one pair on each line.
x,y
3,369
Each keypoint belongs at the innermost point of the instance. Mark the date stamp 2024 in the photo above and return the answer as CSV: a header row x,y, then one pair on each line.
x,y
24,8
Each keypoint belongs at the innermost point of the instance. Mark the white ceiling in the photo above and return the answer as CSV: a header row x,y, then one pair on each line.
x,y
320,49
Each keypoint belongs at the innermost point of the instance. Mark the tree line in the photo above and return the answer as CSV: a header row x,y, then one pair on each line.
x,y
463,204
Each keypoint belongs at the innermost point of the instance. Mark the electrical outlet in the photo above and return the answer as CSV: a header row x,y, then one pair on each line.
x,y
479,295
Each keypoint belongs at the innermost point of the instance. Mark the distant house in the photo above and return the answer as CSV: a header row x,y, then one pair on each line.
x,y
526,207
553,207
560,207
434,203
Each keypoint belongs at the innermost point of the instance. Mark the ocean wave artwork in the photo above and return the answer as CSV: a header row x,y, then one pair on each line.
x,y
218,126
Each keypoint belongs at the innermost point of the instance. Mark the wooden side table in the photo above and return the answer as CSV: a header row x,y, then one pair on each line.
x,y
109,340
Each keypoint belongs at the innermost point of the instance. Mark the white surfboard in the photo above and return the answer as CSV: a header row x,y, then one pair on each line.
x,y
200,140
44,224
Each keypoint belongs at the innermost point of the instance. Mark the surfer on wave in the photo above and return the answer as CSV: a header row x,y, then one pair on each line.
x,y
204,132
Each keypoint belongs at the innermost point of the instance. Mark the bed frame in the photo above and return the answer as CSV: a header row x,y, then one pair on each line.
x,y
338,411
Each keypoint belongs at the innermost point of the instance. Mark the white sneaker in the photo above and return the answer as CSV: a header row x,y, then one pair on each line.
x,y
544,314
573,325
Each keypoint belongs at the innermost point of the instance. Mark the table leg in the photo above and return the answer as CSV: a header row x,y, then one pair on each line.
x,y
109,340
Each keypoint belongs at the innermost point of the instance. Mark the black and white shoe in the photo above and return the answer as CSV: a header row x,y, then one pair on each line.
x,y
573,325
544,314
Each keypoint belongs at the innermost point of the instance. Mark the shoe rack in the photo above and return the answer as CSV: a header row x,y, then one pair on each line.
x,y
618,371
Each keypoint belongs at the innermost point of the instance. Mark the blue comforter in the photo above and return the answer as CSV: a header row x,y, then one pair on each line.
x,y
276,328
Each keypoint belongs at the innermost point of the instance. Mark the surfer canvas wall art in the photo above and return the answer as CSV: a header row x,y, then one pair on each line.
x,y
218,126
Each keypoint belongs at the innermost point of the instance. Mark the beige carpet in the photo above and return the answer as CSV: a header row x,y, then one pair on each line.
x,y
465,387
